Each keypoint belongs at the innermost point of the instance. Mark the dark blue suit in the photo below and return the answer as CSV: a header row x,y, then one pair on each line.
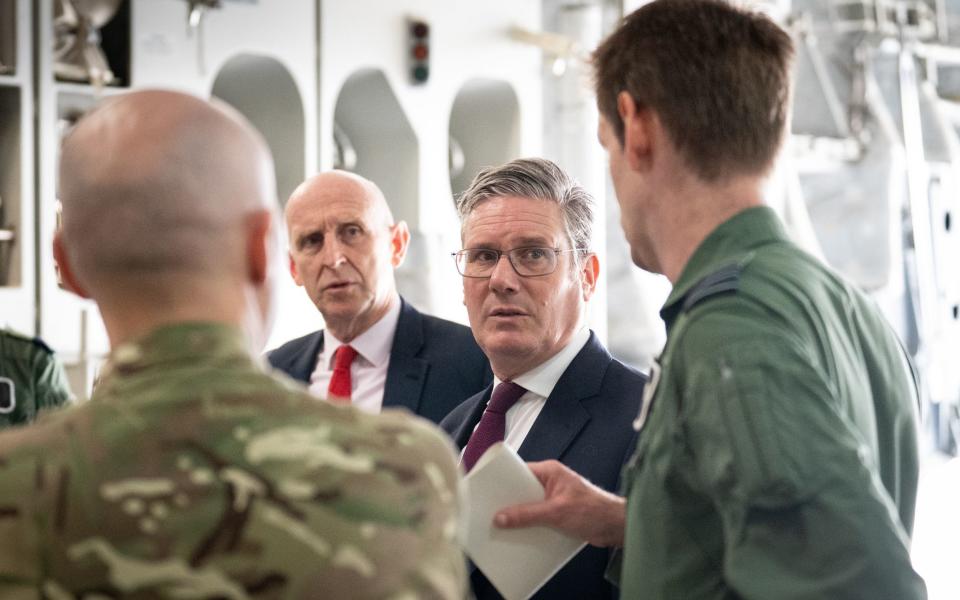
x,y
434,364
587,424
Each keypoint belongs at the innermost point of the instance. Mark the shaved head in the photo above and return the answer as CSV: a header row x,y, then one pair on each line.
x,y
168,201
336,183
156,182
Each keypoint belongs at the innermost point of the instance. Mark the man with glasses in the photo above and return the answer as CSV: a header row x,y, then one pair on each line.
x,y
528,273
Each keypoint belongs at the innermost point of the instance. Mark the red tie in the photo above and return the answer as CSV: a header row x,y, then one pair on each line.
x,y
493,423
340,385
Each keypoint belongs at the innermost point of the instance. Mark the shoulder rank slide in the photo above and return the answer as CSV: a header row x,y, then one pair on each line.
x,y
721,281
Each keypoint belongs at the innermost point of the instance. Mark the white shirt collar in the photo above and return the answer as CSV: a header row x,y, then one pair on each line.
x,y
374,344
544,377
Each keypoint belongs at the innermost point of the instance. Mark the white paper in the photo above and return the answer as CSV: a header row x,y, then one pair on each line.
x,y
516,561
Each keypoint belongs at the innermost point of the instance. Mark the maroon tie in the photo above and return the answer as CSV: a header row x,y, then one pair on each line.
x,y
340,386
493,423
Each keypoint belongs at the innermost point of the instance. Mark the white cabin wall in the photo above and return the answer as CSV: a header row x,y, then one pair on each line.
x,y
468,41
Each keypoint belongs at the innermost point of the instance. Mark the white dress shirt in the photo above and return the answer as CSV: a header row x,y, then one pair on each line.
x,y
368,373
539,383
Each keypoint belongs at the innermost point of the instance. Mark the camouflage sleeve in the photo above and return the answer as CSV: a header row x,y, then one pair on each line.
x,y
441,568
52,388
20,578
421,558
378,504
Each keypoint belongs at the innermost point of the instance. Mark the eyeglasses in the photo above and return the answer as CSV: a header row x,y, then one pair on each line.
x,y
527,262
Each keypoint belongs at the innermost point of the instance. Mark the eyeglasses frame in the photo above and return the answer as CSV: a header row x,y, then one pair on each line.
x,y
502,253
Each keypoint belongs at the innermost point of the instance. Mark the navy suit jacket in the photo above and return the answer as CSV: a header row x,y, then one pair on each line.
x,y
434,364
587,424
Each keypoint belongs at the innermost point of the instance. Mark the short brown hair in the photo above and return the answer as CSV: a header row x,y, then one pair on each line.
x,y
717,76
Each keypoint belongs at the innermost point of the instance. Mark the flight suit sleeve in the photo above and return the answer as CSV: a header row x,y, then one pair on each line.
x,y
52,387
803,513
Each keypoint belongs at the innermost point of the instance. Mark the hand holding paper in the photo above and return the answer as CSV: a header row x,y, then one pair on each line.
x,y
572,504
517,561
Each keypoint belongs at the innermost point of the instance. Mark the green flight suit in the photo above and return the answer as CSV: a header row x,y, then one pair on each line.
x,y
32,379
778,455
193,473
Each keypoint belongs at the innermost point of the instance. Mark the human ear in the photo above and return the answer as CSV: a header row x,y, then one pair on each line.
x,y
67,277
259,226
637,131
589,273
399,241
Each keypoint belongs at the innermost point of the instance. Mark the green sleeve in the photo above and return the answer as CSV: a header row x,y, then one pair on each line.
x,y
52,388
802,511
614,569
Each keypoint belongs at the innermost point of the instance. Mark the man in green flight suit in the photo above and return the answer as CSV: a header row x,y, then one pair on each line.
x,y
32,379
192,472
778,451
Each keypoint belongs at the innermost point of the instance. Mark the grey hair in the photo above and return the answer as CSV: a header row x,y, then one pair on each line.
x,y
535,178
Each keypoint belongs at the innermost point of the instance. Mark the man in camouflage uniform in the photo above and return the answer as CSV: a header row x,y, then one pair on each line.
x,y
778,447
191,472
32,379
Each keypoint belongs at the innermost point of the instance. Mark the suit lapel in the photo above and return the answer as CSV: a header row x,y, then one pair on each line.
x,y
563,414
305,362
478,403
406,373
461,435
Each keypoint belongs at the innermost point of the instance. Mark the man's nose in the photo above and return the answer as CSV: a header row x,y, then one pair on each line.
x,y
504,277
331,254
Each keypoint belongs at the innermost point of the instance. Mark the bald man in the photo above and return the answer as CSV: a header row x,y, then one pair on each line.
x,y
377,350
192,473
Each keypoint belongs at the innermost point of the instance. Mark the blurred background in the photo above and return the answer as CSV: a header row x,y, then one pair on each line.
x,y
418,95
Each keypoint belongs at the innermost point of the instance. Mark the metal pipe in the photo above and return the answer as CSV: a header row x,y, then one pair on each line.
x,y
834,105
949,55
575,110
924,285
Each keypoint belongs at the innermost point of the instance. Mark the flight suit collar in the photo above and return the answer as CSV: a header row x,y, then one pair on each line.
x,y
729,246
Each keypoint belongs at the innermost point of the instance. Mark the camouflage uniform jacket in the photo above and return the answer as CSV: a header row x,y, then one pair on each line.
x,y
192,473
32,379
